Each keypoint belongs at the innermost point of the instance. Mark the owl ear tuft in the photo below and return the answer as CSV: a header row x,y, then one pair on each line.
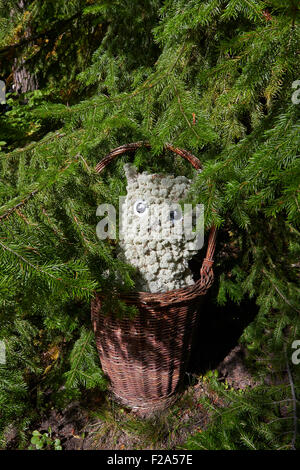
x,y
130,172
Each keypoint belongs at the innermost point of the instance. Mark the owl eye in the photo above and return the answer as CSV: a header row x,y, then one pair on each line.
x,y
140,207
175,215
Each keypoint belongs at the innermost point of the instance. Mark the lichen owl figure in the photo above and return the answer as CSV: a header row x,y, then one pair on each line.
x,y
152,236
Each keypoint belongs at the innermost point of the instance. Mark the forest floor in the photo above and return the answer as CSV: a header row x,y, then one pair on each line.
x,y
99,423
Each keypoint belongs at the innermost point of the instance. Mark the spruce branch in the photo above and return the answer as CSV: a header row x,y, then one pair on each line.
x,y
44,272
34,145
43,186
278,291
78,357
20,204
184,114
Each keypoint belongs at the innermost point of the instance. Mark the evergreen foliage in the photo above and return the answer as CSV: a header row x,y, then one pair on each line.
x,y
212,76
250,419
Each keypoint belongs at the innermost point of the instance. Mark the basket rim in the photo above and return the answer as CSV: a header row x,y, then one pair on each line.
x,y
176,296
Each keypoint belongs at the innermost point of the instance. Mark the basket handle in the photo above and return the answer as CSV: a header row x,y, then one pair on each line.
x,y
206,267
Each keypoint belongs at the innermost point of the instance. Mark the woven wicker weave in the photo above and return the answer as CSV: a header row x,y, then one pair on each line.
x,y
146,358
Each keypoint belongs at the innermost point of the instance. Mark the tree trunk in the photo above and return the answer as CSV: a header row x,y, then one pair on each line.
x,y
23,79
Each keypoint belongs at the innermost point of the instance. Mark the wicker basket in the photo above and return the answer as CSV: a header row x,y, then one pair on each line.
x,y
146,358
